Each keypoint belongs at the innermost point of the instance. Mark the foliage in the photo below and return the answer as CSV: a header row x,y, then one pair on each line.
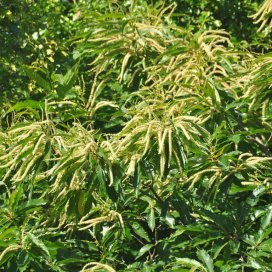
x,y
146,147
32,33
233,16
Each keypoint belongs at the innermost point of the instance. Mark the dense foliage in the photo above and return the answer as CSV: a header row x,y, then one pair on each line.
x,y
135,136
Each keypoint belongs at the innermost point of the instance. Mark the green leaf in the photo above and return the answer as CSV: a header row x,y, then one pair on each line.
x,y
234,189
266,220
223,221
30,204
191,263
170,220
218,250
38,243
143,250
8,231
37,78
27,104
66,82
139,230
22,260
266,245
15,197
151,219
205,258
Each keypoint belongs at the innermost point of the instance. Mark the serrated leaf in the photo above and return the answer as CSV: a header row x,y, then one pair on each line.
x,y
30,204
15,197
205,258
266,220
151,219
38,243
139,230
144,249
191,263
27,104
266,245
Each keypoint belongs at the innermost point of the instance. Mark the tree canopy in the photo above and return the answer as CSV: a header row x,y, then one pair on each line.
x,y
135,135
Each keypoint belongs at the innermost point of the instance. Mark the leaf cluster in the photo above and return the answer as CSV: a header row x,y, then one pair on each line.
x,y
151,152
